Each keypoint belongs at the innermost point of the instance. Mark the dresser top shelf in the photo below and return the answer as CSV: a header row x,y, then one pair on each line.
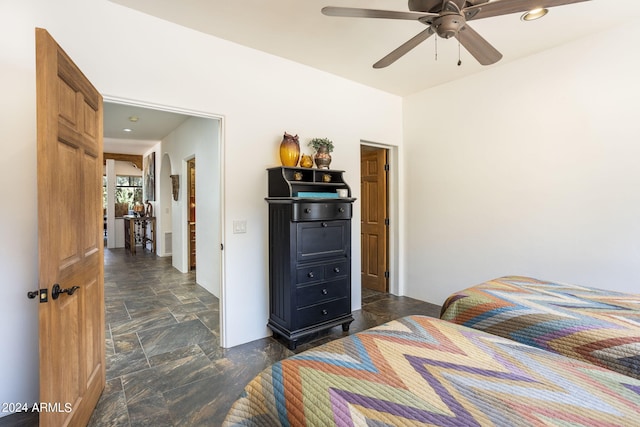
x,y
307,183
309,199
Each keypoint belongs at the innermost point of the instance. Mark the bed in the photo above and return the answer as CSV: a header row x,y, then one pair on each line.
x,y
593,325
424,371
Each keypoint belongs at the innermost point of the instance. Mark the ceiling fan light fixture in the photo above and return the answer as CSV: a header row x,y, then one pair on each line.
x,y
534,14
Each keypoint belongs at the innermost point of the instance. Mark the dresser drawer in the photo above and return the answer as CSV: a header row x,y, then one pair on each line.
x,y
316,240
336,269
324,312
320,211
314,294
310,274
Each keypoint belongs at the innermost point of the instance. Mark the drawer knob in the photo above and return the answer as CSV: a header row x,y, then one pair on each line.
x,y
336,270
324,224
310,275
341,210
307,210
325,312
324,292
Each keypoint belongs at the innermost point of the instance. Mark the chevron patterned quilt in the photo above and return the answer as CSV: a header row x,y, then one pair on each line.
x,y
421,371
597,326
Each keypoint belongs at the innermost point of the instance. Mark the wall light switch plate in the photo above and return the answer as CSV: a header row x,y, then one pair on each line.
x,y
239,227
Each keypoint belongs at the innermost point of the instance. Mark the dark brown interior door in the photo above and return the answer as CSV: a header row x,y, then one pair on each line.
x,y
70,245
374,238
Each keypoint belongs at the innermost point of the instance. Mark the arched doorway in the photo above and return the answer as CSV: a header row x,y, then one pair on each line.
x,y
164,217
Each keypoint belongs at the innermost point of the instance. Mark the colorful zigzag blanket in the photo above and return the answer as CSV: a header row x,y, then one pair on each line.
x,y
421,371
594,325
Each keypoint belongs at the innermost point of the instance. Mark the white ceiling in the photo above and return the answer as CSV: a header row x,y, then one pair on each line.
x,y
348,47
151,126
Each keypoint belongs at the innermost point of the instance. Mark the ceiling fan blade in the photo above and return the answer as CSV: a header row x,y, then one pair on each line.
x,y
505,7
404,48
478,46
352,12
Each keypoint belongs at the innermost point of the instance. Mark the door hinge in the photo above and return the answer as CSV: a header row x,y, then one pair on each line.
x,y
386,221
386,167
386,274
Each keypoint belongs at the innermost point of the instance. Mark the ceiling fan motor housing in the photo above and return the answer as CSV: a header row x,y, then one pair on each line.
x,y
436,6
447,26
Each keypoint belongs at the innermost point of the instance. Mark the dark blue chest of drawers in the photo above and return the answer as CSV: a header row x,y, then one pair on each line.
x,y
309,258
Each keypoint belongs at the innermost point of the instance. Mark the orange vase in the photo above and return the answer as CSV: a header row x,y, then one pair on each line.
x,y
289,150
306,161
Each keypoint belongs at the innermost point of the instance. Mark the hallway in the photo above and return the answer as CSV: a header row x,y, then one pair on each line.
x,y
165,366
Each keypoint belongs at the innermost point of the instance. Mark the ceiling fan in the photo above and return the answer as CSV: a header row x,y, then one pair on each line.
x,y
448,18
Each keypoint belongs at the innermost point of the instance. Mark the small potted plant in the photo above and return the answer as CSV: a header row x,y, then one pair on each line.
x,y
323,147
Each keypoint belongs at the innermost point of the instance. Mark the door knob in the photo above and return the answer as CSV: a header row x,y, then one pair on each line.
x,y
56,290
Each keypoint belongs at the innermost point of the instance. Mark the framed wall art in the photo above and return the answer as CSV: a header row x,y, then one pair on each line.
x,y
149,175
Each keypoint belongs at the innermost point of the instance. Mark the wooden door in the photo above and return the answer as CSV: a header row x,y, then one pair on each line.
x,y
373,181
70,246
191,185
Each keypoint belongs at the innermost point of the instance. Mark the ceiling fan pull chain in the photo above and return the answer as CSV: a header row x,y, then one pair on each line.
x,y
436,40
459,60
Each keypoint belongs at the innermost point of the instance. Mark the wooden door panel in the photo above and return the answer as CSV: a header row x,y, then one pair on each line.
x,y
93,202
373,211
91,120
92,333
373,262
70,249
68,214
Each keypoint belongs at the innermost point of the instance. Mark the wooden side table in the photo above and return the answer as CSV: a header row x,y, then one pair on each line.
x,y
135,232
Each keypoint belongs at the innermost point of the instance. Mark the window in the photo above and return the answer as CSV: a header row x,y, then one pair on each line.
x,y
128,193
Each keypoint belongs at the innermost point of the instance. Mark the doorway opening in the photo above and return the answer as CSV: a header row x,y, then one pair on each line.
x,y
374,242
191,189
178,136
165,212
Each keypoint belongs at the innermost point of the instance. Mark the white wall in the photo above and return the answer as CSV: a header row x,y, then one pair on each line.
x,y
163,211
128,55
529,168
18,217
200,138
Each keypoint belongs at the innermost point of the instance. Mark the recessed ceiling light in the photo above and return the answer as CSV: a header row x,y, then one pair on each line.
x,y
127,130
534,14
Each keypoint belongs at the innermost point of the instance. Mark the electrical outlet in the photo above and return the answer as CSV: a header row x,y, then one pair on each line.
x,y
239,227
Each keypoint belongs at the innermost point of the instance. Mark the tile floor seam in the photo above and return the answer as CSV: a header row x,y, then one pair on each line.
x,y
143,351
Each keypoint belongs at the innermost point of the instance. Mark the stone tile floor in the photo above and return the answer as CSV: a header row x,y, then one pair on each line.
x,y
165,366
